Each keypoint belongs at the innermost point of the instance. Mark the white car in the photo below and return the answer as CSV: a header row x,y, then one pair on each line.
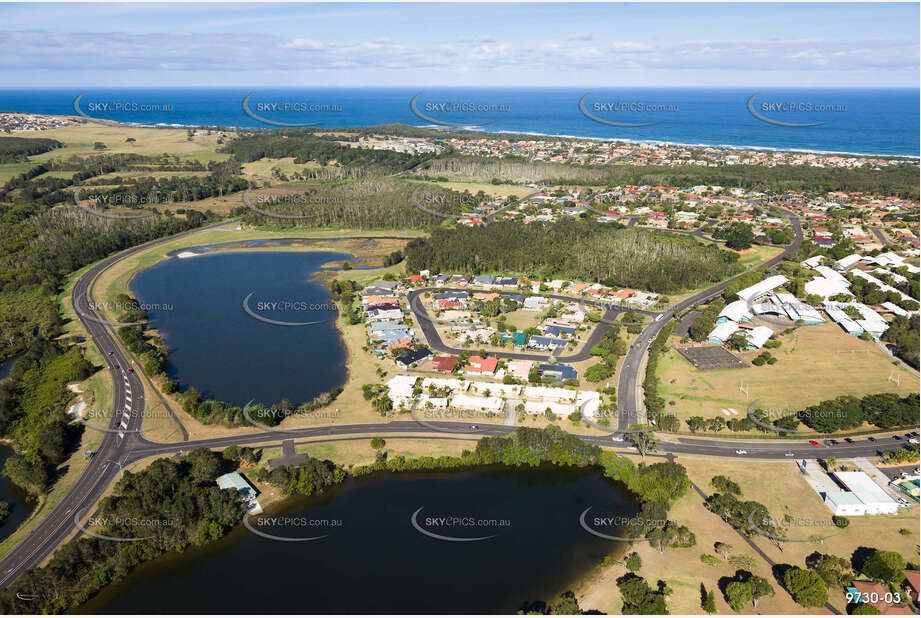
x,y
617,439
913,440
788,454
741,452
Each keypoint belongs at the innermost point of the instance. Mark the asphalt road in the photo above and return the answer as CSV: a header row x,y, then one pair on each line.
x,y
123,444
435,342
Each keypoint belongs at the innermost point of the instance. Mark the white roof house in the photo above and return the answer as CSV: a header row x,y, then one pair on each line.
x,y
762,287
401,386
836,312
844,503
848,261
502,390
737,311
549,393
757,336
469,402
722,332
588,403
452,383
812,262
894,308
539,407
880,284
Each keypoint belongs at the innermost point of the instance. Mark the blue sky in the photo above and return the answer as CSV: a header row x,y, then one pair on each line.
x,y
760,45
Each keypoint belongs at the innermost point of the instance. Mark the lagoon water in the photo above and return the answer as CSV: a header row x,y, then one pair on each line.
x,y
229,355
376,562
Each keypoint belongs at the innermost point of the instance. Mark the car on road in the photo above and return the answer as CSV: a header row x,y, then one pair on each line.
x,y
849,440
741,452
618,439
110,354
813,443
474,427
788,455
130,370
871,439
896,437
913,440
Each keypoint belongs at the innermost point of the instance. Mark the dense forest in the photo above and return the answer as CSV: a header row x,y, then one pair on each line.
x,y
643,259
32,403
19,149
174,501
899,180
378,203
306,146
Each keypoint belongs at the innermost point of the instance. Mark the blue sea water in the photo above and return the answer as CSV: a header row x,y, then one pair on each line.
x,y
866,121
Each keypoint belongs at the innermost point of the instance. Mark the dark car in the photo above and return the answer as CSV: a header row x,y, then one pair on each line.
x,y
896,437
871,439
849,440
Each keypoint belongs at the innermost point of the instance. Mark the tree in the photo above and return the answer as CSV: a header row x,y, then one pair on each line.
x,y
806,587
723,549
737,341
644,439
378,443
709,604
726,485
639,598
568,605
738,594
634,562
884,566
760,588
835,571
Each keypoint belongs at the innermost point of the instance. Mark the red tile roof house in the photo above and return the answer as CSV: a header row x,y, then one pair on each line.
x,y
482,366
444,364
875,590
911,584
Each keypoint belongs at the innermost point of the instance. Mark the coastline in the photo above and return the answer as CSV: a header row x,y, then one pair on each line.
x,y
910,158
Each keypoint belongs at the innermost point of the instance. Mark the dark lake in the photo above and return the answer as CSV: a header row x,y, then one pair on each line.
x,y
20,504
375,562
197,304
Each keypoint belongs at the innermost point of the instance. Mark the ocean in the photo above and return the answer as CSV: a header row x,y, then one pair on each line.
x,y
867,121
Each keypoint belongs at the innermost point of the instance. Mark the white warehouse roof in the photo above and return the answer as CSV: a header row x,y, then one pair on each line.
x,y
736,311
762,287
723,331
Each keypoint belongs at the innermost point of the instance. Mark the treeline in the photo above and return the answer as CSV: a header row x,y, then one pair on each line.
x,y
39,249
175,502
655,403
33,402
379,203
214,412
905,334
884,410
901,180
305,146
147,192
656,261
19,149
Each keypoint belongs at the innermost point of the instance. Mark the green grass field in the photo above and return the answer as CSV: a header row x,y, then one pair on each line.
x,y
814,363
